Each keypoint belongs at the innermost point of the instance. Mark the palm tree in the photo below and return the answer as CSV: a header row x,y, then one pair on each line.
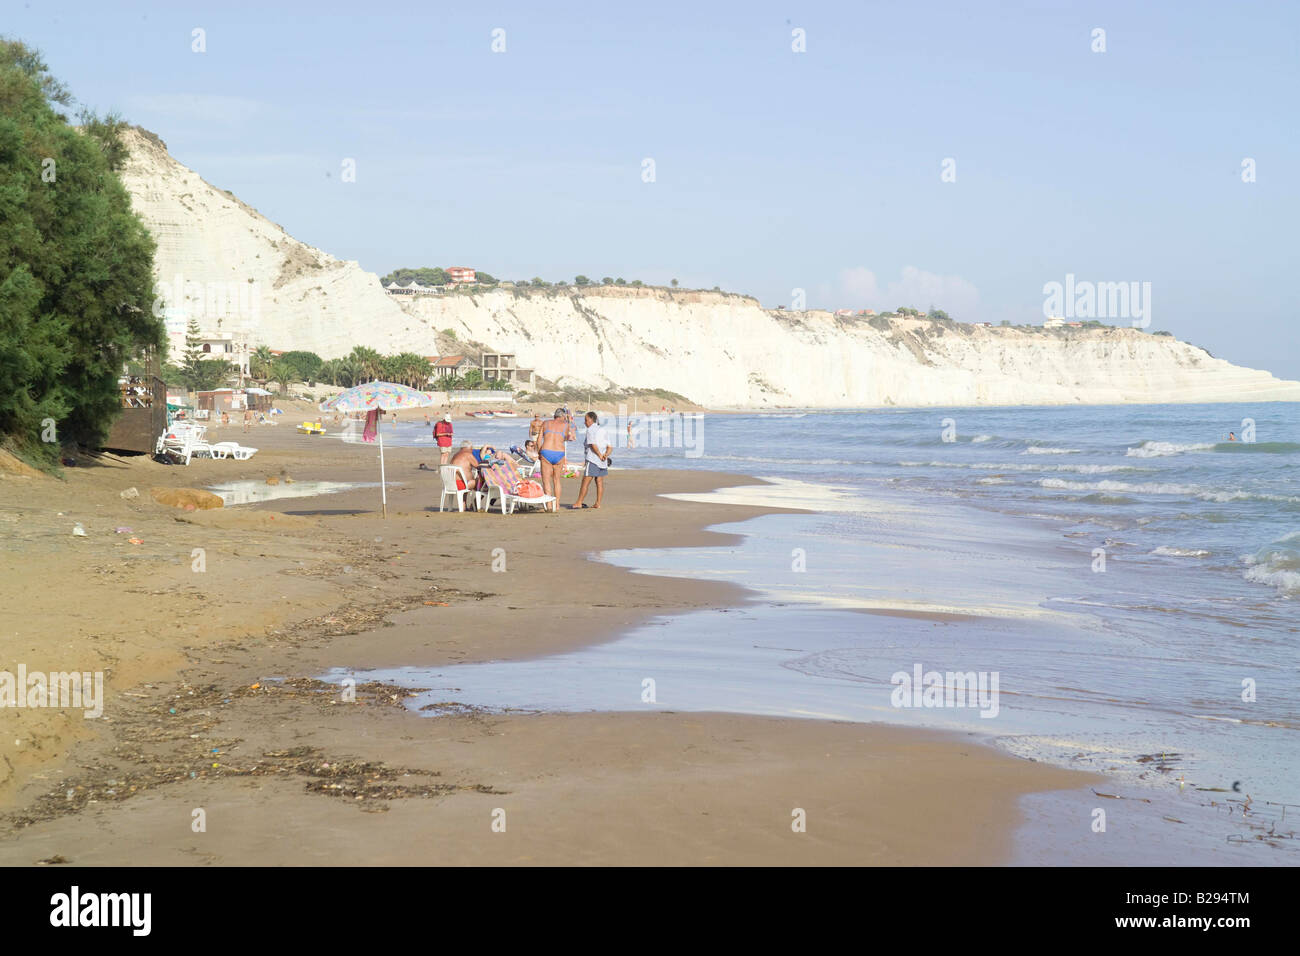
x,y
282,373
473,378
259,363
371,361
329,371
413,369
351,372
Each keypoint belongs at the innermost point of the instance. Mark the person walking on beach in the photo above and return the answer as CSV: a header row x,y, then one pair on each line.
x,y
596,443
442,433
554,434
631,441
248,419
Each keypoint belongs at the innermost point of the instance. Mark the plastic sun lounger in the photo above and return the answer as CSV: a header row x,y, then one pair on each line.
x,y
235,450
544,500
508,501
186,447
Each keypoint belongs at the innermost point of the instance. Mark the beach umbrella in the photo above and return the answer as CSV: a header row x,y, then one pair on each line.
x,y
385,396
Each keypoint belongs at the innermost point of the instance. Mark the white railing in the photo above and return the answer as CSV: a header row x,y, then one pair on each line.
x,y
481,395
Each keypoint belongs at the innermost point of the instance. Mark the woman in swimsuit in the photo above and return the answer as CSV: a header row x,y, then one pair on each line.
x,y
553,436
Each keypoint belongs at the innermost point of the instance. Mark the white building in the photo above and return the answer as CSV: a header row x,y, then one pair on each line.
x,y
231,345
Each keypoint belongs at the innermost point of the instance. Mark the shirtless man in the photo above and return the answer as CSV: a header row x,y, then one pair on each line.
x,y
535,428
248,419
554,434
464,460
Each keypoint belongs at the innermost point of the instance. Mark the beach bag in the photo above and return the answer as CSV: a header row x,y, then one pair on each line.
x,y
529,489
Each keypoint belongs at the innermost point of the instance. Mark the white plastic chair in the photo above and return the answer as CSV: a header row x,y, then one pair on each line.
x,y
449,473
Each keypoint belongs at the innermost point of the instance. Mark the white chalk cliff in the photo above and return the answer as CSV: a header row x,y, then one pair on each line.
x,y
716,349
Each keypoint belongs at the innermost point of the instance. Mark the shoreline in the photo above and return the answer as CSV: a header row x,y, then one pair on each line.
x,y
658,783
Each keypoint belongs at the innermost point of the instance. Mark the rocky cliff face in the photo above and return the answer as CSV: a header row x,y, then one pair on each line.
x,y
717,349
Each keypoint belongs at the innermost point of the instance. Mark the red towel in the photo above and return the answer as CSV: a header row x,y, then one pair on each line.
x,y
372,425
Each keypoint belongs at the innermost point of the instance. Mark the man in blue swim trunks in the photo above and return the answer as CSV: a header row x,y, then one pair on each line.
x,y
554,434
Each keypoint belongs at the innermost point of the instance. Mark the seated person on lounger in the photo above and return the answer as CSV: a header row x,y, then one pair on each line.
x,y
526,455
464,460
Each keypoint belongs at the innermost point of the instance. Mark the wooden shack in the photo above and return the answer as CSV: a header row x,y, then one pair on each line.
x,y
143,415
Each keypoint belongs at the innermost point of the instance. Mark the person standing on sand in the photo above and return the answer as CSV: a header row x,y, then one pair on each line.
x,y
551,448
248,419
535,428
596,443
442,433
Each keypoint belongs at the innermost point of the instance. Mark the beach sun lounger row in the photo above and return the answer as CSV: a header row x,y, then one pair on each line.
x,y
483,500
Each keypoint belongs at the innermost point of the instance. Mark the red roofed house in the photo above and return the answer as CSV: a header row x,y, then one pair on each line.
x,y
461,275
449,365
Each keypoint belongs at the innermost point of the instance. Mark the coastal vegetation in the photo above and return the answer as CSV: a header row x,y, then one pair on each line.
x,y
76,297
431,275
196,371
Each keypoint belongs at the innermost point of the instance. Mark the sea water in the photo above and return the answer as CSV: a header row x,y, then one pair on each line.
x,y
1130,575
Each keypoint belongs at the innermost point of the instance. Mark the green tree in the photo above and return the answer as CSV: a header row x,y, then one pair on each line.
x,y
411,369
259,362
637,283
938,314
620,281
581,280
674,283
484,279
473,378
539,282
425,276
351,372
197,371
371,362
607,281
282,373
328,372
77,289
307,363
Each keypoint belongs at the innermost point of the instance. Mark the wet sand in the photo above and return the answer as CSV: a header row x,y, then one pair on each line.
x,y
226,616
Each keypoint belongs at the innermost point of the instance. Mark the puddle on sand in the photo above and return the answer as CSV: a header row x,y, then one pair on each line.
x,y
253,491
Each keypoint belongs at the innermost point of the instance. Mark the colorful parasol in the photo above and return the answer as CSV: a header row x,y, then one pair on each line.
x,y
385,396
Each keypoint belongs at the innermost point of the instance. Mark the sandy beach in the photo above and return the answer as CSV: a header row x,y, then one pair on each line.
x,y
212,701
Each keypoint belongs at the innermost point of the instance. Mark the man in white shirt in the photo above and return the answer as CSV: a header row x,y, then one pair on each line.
x,y
596,443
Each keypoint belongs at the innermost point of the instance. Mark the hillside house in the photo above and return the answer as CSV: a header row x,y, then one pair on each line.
x,y
449,365
502,365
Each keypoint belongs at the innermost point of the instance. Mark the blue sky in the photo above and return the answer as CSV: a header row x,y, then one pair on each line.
x,y
775,170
